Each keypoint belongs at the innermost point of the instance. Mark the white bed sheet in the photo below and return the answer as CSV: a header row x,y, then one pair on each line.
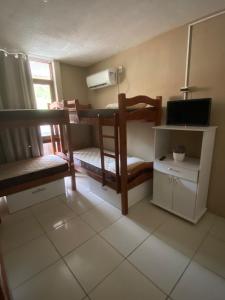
x,y
92,156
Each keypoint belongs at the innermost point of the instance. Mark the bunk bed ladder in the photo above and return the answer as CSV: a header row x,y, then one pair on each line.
x,y
104,154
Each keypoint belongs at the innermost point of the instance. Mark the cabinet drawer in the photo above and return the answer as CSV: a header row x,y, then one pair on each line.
x,y
35,195
191,175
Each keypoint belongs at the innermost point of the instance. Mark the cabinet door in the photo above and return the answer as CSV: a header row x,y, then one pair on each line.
x,y
162,189
184,197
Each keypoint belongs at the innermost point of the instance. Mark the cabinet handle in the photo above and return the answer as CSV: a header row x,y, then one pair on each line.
x,y
176,180
170,179
171,169
38,190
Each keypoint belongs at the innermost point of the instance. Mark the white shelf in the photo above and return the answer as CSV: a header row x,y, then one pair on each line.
x,y
185,128
182,187
188,163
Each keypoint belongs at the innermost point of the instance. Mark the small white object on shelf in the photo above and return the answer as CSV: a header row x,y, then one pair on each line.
x,y
178,156
181,187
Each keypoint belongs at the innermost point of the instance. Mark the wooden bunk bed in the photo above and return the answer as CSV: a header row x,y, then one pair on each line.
x,y
37,171
122,179
26,174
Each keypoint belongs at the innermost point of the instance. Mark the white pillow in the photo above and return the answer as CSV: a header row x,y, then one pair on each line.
x,y
112,105
136,106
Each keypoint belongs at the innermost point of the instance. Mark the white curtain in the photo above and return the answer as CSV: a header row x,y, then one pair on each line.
x,y
16,92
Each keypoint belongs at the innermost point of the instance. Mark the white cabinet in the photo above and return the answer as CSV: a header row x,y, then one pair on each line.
x,y
175,194
182,187
163,189
184,197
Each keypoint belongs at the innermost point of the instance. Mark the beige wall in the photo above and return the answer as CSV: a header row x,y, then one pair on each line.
x,y
73,82
74,87
157,67
207,75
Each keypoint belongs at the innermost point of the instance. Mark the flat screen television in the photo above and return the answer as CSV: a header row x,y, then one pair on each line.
x,y
194,112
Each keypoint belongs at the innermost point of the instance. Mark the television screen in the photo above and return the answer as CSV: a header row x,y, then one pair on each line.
x,y
194,112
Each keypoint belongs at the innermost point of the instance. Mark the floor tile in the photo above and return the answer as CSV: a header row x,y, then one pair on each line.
x,y
26,261
147,216
206,222
44,206
219,228
70,235
199,283
212,255
93,261
55,282
125,235
101,216
160,262
126,283
12,219
80,204
15,235
55,216
182,235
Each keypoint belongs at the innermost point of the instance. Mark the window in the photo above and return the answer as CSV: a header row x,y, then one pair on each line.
x,y
43,87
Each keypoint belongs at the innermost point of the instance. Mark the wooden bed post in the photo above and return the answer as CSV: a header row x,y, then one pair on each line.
x,y
52,134
61,136
70,152
101,146
4,289
159,112
123,153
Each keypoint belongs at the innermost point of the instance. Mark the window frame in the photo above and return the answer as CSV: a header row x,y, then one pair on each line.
x,y
49,82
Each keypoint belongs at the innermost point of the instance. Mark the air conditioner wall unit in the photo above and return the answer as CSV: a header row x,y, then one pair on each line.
x,y
102,79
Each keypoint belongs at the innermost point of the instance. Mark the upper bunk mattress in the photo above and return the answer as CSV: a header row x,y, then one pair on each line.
x,y
92,157
23,171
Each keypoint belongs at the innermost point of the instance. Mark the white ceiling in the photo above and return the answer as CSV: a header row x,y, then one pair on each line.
x,y
83,32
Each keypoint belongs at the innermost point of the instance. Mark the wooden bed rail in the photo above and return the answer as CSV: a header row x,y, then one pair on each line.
x,y
115,138
72,104
153,114
55,105
32,117
35,117
150,113
126,102
75,103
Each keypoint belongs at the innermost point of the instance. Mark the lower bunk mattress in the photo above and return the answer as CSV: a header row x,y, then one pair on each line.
x,y
90,158
23,171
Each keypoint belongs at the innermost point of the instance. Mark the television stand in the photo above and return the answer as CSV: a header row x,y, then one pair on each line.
x,y
182,187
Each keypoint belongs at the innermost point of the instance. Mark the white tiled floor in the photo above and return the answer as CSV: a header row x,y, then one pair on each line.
x,y
93,261
124,235
79,248
70,235
55,282
101,216
161,263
